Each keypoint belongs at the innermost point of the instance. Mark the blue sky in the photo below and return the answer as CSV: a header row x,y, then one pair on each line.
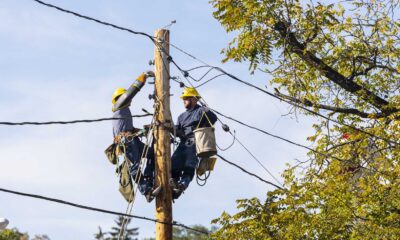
x,y
54,66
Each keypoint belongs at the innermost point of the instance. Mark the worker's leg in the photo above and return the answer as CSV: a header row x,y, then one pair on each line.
x,y
145,178
191,162
133,152
150,161
178,162
145,185
187,176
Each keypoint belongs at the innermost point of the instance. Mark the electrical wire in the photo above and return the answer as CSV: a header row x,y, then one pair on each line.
x,y
234,136
223,72
95,20
210,79
210,66
185,73
274,136
76,205
71,122
247,172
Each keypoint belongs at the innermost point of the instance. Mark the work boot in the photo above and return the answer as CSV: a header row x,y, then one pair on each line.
x,y
177,188
152,194
172,183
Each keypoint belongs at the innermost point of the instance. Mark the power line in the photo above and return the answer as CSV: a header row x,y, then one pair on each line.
x,y
59,201
273,135
281,138
247,172
72,121
210,66
230,132
294,143
95,20
209,80
234,136
186,74
270,94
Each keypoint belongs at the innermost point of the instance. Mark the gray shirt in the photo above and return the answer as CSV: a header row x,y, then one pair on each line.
x,y
122,125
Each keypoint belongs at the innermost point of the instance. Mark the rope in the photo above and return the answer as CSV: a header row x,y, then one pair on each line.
x,y
137,177
59,201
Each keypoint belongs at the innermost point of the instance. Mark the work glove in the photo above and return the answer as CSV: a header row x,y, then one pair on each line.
x,y
179,133
142,77
149,74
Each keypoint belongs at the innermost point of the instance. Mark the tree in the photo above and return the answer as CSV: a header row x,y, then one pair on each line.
x,y
341,60
180,233
100,235
129,233
13,234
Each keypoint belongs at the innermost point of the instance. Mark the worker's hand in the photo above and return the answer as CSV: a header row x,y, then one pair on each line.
x,y
142,77
149,74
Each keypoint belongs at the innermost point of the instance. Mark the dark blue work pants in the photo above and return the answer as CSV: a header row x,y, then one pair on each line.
x,y
184,162
133,152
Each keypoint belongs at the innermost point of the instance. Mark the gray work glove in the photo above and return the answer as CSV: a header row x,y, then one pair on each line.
x,y
149,74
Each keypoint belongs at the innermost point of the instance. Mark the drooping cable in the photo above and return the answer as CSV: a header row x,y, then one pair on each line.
x,y
70,122
76,205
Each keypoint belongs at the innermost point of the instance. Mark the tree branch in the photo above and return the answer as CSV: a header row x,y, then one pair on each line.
x,y
299,49
309,103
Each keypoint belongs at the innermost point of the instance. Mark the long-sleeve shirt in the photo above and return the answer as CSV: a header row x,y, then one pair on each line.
x,y
122,125
189,120
121,107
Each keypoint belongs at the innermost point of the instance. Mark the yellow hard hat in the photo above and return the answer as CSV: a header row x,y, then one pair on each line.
x,y
190,92
118,92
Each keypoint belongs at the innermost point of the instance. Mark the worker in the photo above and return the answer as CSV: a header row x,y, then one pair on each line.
x,y
123,129
184,159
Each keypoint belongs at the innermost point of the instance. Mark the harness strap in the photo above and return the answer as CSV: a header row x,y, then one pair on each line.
x,y
208,119
128,136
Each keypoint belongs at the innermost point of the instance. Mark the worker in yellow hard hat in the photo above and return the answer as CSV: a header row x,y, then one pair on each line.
x,y
184,159
124,130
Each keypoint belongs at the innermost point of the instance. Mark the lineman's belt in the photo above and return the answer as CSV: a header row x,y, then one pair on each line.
x,y
128,136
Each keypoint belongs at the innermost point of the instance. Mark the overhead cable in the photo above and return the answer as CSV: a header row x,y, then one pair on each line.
x,y
59,201
234,136
247,172
95,20
72,121
207,65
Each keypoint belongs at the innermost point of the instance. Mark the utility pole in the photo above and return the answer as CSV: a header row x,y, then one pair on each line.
x,y
162,135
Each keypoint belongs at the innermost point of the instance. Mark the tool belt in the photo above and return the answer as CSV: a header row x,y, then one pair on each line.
x,y
127,136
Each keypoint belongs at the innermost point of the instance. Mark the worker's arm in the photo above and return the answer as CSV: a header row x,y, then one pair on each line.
x,y
125,99
178,129
211,117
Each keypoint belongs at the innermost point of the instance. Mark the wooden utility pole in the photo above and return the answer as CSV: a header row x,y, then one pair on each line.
x,y
162,135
